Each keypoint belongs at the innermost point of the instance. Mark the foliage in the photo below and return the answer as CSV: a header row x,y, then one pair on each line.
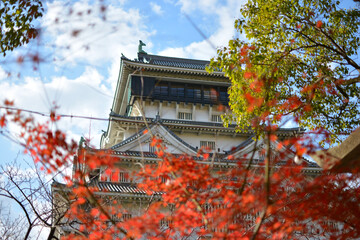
x,y
275,200
16,22
307,52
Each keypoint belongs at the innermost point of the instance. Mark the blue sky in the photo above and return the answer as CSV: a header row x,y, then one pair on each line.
x,y
79,72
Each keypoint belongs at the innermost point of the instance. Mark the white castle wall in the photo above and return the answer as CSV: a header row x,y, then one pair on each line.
x,y
170,110
200,113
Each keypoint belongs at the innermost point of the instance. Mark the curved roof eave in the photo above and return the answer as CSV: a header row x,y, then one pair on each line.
x,y
142,132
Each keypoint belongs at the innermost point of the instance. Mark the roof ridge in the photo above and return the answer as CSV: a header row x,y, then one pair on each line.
x,y
166,58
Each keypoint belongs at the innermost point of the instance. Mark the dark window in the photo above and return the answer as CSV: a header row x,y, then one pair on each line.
x,y
206,94
181,92
161,89
157,90
213,95
190,92
223,95
197,93
164,90
177,90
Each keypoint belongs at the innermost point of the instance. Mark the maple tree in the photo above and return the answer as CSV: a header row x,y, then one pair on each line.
x,y
308,49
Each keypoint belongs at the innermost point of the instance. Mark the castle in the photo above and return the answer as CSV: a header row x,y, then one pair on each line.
x,y
179,102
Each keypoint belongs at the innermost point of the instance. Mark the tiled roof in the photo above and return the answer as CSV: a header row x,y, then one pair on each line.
x,y
187,122
220,158
172,62
241,145
310,163
135,154
250,140
281,131
126,188
173,121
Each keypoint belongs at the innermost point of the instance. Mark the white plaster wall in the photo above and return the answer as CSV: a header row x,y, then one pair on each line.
x,y
130,132
145,147
201,113
141,147
168,112
151,110
225,143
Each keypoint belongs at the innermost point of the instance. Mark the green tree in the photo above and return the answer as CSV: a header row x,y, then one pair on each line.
x,y
16,22
304,51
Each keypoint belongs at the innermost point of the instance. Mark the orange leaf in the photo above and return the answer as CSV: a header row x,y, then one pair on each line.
x,y
108,171
81,200
248,75
319,24
8,103
307,108
221,107
301,151
244,50
2,121
94,212
160,153
115,176
273,137
103,217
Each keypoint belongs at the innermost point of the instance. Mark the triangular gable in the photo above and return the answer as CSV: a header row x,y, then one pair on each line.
x,y
173,143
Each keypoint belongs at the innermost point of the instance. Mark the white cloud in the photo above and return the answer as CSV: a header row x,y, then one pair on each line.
x,y
90,94
156,8
3,75
85,95
226,15
206,6
90,38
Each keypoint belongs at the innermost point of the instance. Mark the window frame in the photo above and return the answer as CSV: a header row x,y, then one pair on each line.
x,y
208,144
185,115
